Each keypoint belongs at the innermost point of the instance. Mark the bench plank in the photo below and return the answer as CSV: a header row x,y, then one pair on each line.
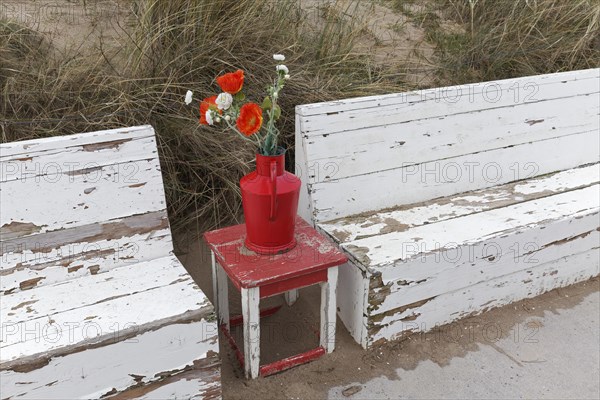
x,y
460,98
141,363
102,322
9,151
54,257
73,294
386,249
382,147
413,184
346,230
82,198
473,300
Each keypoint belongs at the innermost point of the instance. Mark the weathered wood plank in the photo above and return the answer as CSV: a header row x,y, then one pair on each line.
x,y
87,159
352,300
83,199
384,250
381,147
481,262
42,261
402,218
26,147
454,99
250,311
476,299
414,184
126,280
102,322
162,355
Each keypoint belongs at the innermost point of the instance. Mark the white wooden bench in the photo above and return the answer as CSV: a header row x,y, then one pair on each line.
x,y
93,301
454,200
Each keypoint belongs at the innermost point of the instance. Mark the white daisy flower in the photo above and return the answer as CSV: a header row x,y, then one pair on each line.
x,y
188,97
278,57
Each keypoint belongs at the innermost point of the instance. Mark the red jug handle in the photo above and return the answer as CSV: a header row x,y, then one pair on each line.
x,y
273,166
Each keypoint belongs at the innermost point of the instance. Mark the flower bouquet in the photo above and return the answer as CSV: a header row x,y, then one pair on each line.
x,y
269,193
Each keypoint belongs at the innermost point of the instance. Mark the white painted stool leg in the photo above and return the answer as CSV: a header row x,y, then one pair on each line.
x,y
291,296
223,296
214,282
250,313
328,310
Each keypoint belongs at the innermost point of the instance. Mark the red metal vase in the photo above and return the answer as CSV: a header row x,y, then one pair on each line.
x,y
270,200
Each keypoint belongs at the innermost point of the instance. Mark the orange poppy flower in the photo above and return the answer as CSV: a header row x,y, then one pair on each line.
x,y
232,82
205,105
250,119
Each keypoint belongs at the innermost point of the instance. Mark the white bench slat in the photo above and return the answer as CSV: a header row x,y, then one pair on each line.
x,y
548,86
81,199
147,358
382,147
83,159
77,260
49,300
478,298
347,229
103,321
379,251
414,184
27,147
480,262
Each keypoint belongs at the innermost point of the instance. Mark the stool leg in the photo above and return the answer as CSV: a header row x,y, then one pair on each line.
x,y
214,282
251,315
291,296
223,296
328,310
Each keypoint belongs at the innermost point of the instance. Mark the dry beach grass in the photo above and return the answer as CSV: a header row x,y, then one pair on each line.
x,y
136,59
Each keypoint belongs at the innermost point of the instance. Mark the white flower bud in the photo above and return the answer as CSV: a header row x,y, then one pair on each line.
x,y
188,97
278,57
287,76
283,68
209,118
227,118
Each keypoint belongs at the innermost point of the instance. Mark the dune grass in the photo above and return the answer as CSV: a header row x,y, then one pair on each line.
x,y
168,47
505,38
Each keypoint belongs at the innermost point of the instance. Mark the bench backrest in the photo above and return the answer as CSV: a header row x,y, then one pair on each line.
x,y
80,204
370,153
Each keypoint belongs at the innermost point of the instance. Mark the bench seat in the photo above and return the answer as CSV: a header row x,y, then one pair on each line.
x,y
415,253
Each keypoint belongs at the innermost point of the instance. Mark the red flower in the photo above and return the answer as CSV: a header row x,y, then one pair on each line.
x,y
250,119
231,82
205,105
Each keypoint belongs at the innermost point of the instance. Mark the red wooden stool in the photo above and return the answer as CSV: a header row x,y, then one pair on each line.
x,y
314,260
